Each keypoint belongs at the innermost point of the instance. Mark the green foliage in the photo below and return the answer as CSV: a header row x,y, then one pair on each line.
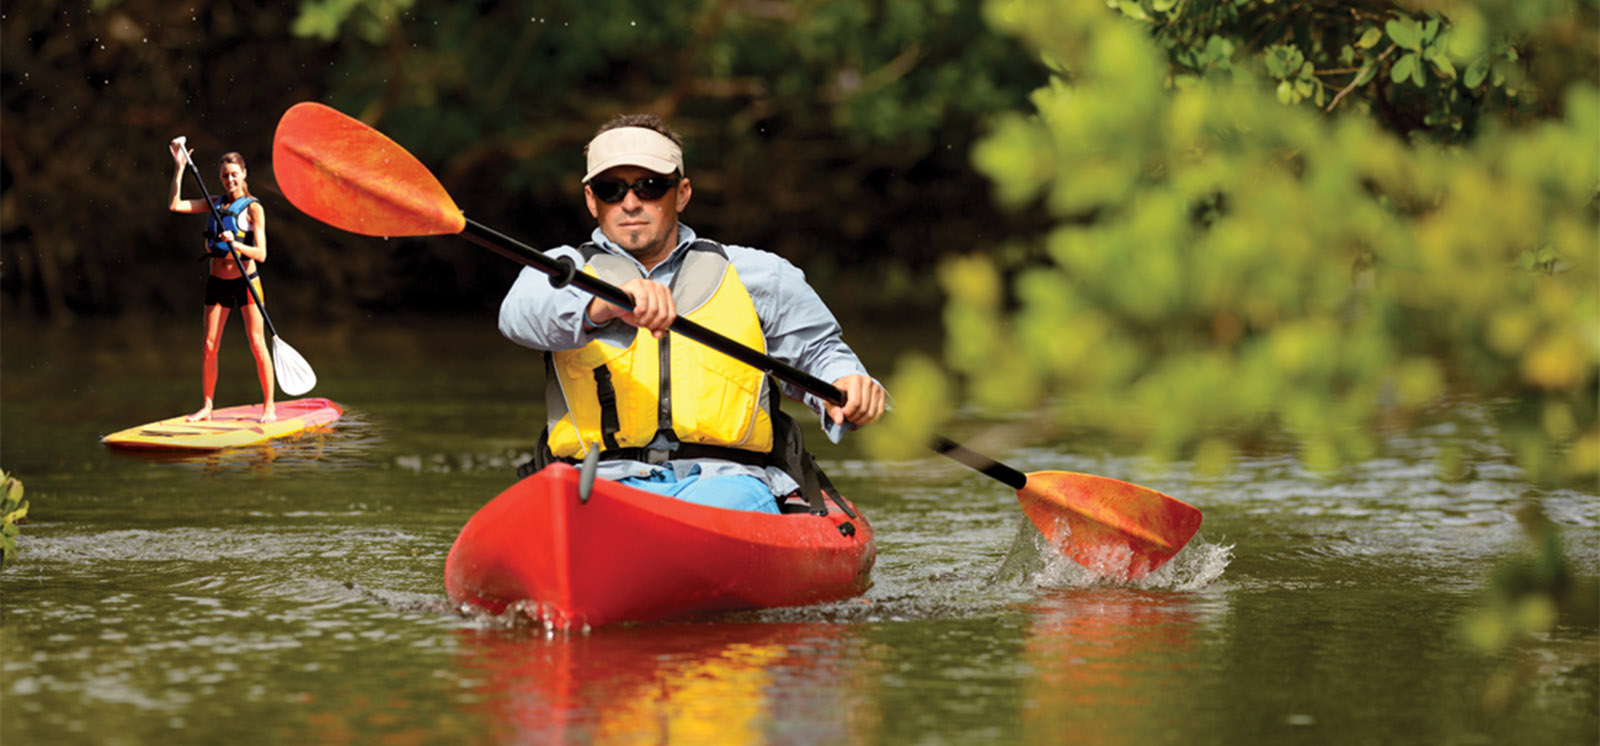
x,y
373,20
1418,67
1224,267
13,511
833,132
905,435
1529,594
834,102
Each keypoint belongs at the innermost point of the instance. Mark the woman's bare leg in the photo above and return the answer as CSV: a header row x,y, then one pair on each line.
x,y
215,317
256,328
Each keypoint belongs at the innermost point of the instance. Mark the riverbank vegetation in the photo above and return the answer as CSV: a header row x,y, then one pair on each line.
x,y
13,513
1318,222
836,134
1278,219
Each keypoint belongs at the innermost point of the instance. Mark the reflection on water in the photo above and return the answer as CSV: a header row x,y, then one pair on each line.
x,y
731,683
1098,654
346,443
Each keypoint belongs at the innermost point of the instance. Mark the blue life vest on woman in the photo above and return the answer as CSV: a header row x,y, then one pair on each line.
x,y
230,222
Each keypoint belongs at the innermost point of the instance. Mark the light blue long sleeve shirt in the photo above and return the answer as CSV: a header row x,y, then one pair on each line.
x,y
798,327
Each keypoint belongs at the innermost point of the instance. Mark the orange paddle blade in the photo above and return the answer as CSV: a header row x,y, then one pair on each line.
x,y
1116,529
340,171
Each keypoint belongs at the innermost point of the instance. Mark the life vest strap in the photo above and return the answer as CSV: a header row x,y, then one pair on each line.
x,y
607,393
659,456
789,453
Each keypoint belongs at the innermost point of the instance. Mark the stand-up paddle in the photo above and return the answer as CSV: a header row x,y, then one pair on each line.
x,y
348,175
295,376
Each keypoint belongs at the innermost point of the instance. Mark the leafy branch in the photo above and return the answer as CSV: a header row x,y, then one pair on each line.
x,y
1362,76
13,512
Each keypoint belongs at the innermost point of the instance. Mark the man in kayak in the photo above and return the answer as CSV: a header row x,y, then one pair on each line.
x,y
668,414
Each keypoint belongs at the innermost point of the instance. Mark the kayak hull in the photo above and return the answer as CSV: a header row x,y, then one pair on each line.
x,y
631,555
230,427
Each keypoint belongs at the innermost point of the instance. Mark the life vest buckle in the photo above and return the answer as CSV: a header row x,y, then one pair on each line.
x,y
657,456
661,448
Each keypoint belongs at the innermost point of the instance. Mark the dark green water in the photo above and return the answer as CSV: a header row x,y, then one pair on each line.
x,y
293,594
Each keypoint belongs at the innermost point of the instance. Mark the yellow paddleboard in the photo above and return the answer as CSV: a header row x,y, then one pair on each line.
x,y
227,428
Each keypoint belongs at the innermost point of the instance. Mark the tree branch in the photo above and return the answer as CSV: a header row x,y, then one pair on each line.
x,y
1357,79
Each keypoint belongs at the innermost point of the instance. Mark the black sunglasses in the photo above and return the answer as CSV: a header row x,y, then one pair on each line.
x,y
649,188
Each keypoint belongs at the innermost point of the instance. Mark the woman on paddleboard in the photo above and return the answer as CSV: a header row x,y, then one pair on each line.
x,y
244,225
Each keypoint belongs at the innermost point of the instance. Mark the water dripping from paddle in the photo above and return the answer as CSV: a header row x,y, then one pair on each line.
x,y
1033,562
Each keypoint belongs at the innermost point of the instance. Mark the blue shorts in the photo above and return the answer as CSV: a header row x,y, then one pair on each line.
x,y
732,491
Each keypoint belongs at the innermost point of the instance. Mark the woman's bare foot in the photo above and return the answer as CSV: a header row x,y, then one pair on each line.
x,y
201,416
270,414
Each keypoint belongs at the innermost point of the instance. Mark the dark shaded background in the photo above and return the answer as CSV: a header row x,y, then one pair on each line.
x,y
834,133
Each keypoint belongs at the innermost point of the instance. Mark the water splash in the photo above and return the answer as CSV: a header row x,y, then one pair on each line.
x,y
523,615
1032,561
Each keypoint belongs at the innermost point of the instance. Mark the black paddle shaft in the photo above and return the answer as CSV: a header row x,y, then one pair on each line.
x,y
563,272
990,467
237,259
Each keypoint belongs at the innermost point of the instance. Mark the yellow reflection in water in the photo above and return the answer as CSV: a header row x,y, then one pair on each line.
x,y
717,700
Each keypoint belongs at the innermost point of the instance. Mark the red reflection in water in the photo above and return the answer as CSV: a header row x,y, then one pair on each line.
x,y
1102,658
680,683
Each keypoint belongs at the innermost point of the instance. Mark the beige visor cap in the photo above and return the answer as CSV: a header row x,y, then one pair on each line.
x,y
633,146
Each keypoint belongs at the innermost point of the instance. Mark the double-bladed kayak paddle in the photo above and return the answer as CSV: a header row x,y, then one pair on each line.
x,y
346,174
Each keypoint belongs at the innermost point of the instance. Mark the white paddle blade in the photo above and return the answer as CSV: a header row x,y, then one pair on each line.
x,y
295,376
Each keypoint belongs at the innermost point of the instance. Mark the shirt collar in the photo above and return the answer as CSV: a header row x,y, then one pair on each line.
x,y
686,236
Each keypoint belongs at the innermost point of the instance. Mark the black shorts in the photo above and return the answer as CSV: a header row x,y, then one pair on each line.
x,y
227,293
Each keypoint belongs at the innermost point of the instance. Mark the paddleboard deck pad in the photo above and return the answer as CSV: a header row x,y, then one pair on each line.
x,y
228,428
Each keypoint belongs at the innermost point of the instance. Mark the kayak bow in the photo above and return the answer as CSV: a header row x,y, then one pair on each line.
x,y
631,555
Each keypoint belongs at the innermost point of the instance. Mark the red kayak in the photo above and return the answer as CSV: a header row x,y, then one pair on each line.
x,y
630,555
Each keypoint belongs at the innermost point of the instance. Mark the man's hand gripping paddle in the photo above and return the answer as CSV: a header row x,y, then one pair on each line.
x,y
348,175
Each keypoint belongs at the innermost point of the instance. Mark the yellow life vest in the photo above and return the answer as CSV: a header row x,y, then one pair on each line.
x,y
655,394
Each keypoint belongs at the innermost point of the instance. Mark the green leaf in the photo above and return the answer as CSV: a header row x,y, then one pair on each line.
x,y
1402,67
1370,38
317,21
1277,61
1441,62
1219,47
1405,33
1132,9
1476,72
1285,92
1418,74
